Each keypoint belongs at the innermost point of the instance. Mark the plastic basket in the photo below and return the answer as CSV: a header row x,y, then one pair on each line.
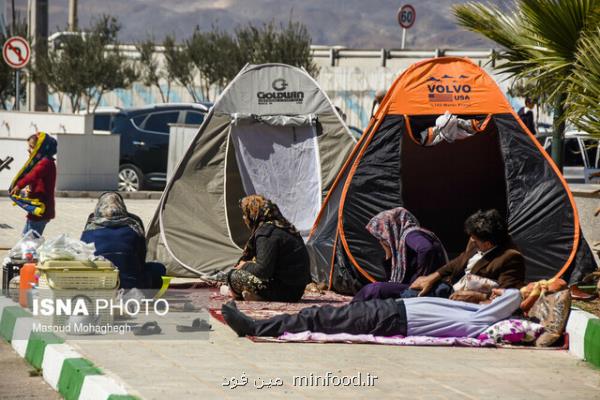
x,y
63,275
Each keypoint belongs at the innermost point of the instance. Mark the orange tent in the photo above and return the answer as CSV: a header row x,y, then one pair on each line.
x,y
502,166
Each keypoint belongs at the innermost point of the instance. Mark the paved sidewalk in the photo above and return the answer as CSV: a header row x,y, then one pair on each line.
x,y
186,370
71,215
160,369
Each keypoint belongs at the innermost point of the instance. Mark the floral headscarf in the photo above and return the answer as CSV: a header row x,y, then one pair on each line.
x,y
45,147
392,227
257,211
111,212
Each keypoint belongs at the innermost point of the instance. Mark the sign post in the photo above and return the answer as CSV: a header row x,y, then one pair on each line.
x,y
406,18
16,53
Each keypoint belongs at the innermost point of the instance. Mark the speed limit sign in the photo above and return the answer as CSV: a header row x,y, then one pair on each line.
x,y
406,16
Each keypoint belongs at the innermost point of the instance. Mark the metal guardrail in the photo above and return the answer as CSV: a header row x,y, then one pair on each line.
x,y
333,53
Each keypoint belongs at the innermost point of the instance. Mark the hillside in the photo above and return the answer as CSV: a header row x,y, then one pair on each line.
x,y
350,23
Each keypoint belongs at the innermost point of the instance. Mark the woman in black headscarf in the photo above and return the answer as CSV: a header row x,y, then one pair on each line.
x,y
119,237
274,265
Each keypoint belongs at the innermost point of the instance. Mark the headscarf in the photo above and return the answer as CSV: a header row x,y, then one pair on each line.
x,y
392,227
45,147
257,211
111,212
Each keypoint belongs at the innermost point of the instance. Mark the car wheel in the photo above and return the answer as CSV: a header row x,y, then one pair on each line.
x,y
130,178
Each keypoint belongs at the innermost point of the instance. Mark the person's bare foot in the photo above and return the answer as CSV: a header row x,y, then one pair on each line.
x,y
249,296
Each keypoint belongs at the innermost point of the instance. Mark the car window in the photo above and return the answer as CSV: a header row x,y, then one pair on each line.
x,y
591,148
573,155
194,118
137,120
159,122
102,122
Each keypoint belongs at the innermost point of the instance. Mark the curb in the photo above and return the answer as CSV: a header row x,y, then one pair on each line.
x,y
63,368
584,336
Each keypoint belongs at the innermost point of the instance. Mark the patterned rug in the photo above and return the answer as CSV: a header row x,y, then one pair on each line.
x,y
268,309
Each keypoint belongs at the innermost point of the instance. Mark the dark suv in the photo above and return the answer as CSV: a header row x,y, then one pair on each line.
x,y
145,141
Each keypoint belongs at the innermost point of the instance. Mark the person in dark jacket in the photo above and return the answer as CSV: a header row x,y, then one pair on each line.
x,y
274,265
37,180
489,254
526,115
119,237
410,252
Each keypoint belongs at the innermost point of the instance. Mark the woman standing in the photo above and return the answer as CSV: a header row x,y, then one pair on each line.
x,y
275,264
37,179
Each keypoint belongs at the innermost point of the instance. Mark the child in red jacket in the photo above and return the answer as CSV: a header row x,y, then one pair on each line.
x,y
38,179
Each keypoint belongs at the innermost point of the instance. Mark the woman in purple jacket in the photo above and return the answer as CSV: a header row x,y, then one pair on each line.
x,y
410,252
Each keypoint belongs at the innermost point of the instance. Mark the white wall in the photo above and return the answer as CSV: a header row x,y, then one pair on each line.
x,y
21,124
87,162
83,162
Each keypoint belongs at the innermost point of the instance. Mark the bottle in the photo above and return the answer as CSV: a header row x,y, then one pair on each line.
x,y
27,281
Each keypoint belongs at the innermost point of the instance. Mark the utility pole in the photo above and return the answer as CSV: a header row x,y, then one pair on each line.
x,y
37,93
14,17
72,15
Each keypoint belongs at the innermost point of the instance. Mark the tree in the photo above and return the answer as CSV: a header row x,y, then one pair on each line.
x,y
288,44
85,65
107,68
180,66
584,96
150,73
216,56
540,41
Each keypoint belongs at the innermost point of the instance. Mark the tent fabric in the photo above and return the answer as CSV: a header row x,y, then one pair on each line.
x,y
501,166
272,131
282,164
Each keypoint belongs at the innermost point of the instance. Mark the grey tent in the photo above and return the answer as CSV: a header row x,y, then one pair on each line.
x,y
273,131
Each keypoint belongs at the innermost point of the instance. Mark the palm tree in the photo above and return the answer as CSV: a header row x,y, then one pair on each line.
x,y
584,96
540,41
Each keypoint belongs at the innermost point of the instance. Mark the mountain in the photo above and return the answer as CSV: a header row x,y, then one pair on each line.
x,y
349,23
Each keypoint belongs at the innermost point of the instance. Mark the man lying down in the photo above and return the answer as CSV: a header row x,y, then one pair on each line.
x,y
419,316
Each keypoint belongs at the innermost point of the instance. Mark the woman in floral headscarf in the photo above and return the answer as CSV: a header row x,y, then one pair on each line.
x,y
119,237
410,252
32,188
274,265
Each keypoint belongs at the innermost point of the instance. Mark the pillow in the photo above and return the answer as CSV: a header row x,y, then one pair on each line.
x,y
552,310
512,331
475,283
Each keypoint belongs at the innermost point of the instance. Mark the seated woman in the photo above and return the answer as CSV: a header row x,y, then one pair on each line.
x,y
410,252
119,237
275,264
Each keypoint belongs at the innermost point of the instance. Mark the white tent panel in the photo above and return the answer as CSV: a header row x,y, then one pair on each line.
x,y
282,164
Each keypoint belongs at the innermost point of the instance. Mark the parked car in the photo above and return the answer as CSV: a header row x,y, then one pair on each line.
x,y
581,156
145,140
103,117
